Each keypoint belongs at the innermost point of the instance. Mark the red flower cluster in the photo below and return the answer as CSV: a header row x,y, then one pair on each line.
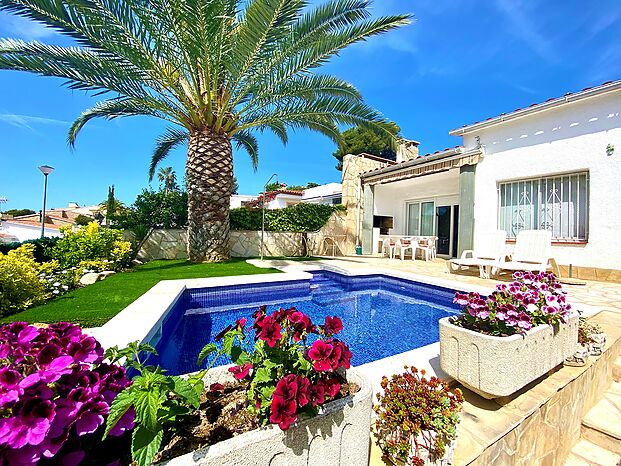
x,y
296,391
299,376
330,355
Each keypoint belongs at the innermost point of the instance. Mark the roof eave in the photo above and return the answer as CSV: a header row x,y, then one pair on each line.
x,y
548,105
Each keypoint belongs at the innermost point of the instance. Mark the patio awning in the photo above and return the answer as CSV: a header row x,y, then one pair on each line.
x,y
442,161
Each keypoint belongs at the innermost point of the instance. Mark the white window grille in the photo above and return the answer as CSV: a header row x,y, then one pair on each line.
x,y
557,203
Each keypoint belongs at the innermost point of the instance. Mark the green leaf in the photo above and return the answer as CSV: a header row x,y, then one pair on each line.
x,y
229,340
147,404
185,390
239,356
262,375
145,444
206,351
118,408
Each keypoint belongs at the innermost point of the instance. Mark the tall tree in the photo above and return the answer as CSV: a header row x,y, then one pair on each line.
x,y
110,205
361,139
217,70
235,186
168,177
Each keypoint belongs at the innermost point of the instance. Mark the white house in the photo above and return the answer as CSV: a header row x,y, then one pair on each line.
x,y
330,194
324,194
554,165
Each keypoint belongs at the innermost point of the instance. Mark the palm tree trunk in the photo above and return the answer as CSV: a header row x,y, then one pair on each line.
x,y
209,173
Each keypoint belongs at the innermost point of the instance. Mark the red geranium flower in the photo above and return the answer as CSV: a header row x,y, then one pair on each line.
x,y
341,356
240,323
331,387
332,325
287,387
269,331
283,412
303,391
240,372
320,353
316,394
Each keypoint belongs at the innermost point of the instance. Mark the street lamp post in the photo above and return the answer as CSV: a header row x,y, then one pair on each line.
x,y
263,211
46,170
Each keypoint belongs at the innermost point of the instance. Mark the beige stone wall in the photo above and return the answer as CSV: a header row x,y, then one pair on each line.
x,y
353,167
172,244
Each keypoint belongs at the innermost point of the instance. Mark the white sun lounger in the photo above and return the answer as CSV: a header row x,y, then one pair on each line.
x,y
533,252
489,251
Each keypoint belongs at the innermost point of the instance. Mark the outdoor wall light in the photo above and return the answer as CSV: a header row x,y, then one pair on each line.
x,y
610,149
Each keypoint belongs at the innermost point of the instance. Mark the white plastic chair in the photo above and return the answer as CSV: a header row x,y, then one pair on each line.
x,y
407,244
533,252
390,246
428,247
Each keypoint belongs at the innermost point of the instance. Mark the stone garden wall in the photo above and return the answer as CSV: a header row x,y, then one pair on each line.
x,y
172,244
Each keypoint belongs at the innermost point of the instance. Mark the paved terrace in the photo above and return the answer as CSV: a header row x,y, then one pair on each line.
x,y
541,423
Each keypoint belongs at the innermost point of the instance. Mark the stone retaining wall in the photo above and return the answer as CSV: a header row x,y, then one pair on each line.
x,y
172,244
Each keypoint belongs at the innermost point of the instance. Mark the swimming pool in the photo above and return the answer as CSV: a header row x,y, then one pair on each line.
x,y
382,315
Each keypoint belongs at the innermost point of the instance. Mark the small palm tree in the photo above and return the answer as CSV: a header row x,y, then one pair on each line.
x,y
169,178
218,70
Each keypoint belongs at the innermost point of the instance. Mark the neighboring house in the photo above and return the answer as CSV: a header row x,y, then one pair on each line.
x,y
555,165
325,194
330,194
29,226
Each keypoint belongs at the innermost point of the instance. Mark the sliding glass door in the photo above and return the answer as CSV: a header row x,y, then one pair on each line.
x,y
421,218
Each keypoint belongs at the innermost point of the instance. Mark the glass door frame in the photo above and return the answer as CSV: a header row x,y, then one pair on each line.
x,y
438,201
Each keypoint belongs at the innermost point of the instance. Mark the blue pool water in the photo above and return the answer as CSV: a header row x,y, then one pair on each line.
x,y
382,316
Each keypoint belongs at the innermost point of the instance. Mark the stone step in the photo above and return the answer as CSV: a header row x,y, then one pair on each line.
x,y
586,453
616,370
602,424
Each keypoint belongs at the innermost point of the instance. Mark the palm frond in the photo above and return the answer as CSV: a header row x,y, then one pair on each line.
x,y
245,140
166,143
84,69
115,108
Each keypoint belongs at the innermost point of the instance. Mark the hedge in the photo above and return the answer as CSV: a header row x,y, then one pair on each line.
x,y
298,218
42,246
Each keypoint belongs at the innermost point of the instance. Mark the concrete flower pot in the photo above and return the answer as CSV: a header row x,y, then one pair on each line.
x,y
338,436
499,366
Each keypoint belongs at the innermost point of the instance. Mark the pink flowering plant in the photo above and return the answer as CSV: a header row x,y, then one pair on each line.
x,y
286,374
55,395
531,299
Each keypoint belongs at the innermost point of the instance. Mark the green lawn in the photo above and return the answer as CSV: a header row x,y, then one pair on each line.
x,y
94,305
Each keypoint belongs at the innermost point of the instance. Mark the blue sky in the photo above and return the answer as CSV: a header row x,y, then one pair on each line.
x,y
459,62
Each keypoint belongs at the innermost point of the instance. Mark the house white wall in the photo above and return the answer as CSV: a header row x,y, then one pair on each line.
x,y
238,199
571,138
284,200
323,194
391,199
26,232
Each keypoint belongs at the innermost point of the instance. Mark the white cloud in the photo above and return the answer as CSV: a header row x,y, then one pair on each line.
x,y
28,121
23,28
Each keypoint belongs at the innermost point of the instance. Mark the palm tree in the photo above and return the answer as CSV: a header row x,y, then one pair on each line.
x,y
169,178
218,70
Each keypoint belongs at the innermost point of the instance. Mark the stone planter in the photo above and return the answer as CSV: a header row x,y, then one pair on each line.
x,y
500,366
338,436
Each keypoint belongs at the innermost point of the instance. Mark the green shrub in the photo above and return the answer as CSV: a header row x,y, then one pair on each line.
x,y
42,251
20,286
83,220
90,243
298,218
153,209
